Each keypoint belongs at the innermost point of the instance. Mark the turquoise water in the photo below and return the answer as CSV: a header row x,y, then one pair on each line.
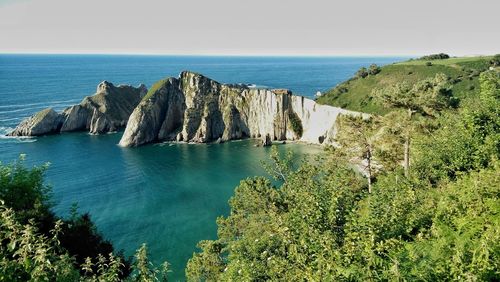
x,y
167,195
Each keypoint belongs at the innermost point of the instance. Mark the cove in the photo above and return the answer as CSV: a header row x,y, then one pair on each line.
x,y
167,195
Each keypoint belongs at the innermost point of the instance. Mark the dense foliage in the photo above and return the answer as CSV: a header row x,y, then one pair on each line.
x,y
36,245
295,124
354,94
355,213
495,61
440,222
374,69
439,56
364,72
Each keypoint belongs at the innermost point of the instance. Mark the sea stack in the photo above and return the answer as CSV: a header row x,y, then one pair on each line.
x,y
106,111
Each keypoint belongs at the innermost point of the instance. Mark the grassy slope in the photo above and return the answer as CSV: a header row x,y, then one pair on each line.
x,y
354,94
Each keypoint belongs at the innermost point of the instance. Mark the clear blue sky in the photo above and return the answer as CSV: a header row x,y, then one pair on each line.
x,y
307,27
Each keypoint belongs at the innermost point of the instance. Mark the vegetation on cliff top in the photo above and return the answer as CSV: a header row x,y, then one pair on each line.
x,y
355,93
295,124
156,86
435,218
439,221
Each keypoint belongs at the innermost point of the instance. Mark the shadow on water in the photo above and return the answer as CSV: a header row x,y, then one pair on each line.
x,y
166,195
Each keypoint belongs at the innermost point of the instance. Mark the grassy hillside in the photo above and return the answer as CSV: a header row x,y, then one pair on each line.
x,y
355,93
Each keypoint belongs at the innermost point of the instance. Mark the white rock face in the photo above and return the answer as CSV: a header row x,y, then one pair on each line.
x,y
105,111
194,108
43,122
318,121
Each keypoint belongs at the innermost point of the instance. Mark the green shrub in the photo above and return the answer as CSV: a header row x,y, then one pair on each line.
x,y
495,61
373,69
296,124
362,73
440,56
36,245
318,224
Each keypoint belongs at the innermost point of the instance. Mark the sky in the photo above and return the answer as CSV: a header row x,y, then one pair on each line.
x,y
251,27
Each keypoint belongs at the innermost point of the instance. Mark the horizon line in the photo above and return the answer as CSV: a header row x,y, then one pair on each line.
x,y
211,54
318,55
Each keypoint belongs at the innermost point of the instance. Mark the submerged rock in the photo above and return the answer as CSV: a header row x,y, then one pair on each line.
x,y
194,108
106,111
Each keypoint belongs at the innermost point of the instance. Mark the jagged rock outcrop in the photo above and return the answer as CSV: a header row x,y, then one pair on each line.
x,y
194,108
106,111
40,123
266,141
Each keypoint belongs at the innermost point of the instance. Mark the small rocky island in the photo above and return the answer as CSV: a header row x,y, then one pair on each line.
x,y
192,108
106,111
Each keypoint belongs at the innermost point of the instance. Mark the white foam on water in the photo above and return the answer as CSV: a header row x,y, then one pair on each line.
x,y
258,86
14,139
41,103
4,130
35,108
11,119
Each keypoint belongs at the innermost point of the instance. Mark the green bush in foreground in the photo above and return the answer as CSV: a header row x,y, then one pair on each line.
x,y
36,245
440,222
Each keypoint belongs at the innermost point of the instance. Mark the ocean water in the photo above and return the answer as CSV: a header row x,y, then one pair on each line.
x,y
166,195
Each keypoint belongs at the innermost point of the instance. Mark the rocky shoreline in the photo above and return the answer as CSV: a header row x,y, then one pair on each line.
x,y
192,108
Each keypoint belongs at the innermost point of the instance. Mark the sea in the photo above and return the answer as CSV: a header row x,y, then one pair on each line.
x,y
165,195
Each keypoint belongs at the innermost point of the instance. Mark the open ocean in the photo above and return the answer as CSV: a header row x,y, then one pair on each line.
x,y
166,195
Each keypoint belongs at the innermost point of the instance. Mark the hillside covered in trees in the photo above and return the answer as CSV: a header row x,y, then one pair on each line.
x,y
425,207
355,93
411,194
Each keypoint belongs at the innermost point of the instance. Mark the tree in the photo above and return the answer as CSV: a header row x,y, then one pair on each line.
x,y
374,69
463,241
144,270
463,140
318,224
440,56
24,191
36,245
495,61
358,137
362,72
279,167
425,97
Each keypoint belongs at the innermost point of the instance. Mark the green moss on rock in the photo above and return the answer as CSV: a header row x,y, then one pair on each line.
x,y
295,124
154,88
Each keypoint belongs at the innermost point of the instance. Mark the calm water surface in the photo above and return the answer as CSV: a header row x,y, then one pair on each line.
x,y
167,195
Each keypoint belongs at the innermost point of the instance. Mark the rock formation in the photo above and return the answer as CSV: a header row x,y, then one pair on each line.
x,y
266,141
105,111
40,123
194,108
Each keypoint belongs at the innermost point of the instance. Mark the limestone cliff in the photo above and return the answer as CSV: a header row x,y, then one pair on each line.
x,y
40,123
107,110
194,108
